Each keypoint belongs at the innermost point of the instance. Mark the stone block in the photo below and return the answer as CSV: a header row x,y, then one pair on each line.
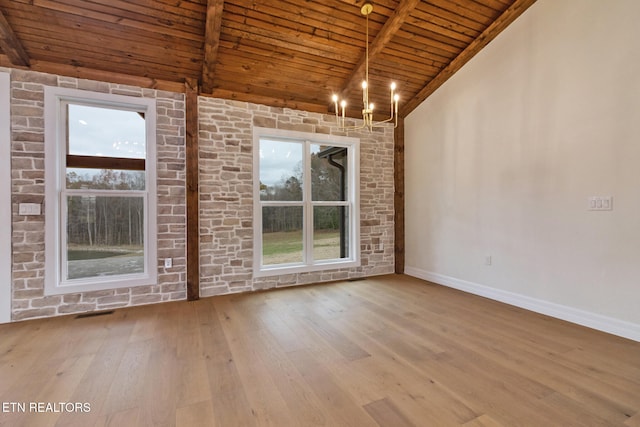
x,y
76,308
146,299
33,313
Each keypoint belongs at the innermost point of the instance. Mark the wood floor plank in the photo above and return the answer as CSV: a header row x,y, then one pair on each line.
x,y
160,385
424,400
633,421
574,412
192,381
335,338
390,350
385,413
281,331
127,388
306,336
94,386
214,346
603,405
63,382
333,397
30,357
230,404
302,402
599,362
266,404
198,414
483,421
117,419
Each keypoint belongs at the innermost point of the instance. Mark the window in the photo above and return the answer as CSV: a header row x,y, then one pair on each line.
x,y
306,202
100,191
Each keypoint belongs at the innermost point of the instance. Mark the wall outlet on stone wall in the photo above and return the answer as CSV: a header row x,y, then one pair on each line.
x,y
29,209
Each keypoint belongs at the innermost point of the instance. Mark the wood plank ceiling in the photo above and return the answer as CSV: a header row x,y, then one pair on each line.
x,y
287,53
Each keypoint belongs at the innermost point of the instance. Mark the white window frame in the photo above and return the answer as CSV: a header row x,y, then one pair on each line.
x,y
352,203
56,192
5,198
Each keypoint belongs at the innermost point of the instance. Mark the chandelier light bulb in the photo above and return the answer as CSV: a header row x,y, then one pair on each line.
x,y
371,106
396,97
343,103
364,84
393,86
334,98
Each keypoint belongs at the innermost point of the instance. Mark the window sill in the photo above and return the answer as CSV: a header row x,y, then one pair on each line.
x,y
91,284
299,268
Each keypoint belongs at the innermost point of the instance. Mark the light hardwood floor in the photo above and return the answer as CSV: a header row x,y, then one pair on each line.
x,y
390,351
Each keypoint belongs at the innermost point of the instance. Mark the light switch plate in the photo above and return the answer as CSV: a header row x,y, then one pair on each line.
x,y
600,203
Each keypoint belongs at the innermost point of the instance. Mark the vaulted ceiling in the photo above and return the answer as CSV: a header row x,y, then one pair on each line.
x,y
287,53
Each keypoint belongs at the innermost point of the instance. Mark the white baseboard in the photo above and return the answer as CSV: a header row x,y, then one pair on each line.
x,y
585,318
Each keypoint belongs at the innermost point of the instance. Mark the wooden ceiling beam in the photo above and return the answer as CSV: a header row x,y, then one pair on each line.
x,y
98,75
213,27
490,33
11,45
386,33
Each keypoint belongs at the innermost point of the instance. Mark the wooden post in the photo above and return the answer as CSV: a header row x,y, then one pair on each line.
x,y
398,196
193,193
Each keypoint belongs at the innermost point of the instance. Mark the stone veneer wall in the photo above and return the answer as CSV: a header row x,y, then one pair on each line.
x,y
27,136
226,199
226,196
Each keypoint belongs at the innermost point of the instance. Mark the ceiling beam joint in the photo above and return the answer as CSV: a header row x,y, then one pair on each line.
x,y
11,45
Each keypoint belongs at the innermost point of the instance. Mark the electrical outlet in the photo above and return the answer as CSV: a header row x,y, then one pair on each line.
x,y
168,263
487,260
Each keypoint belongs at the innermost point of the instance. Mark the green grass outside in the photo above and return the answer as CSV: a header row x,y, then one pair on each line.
x,y
286,246
283,242
79,252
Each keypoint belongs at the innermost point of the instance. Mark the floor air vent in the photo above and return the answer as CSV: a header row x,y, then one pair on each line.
x,y
94,314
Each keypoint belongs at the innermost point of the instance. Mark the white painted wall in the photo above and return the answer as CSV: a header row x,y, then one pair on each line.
x,y
5,199
501,159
